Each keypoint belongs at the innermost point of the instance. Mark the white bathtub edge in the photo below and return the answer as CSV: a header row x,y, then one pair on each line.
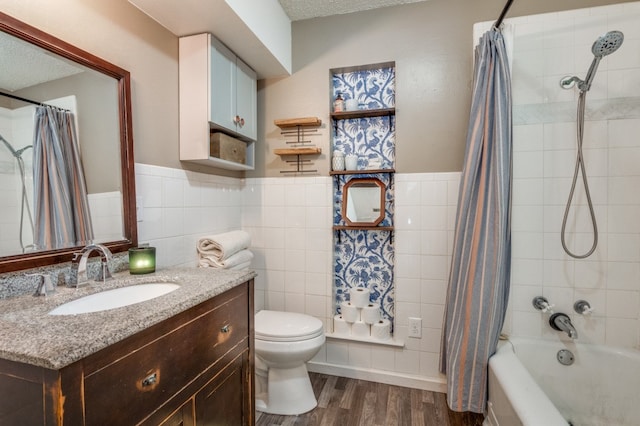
x,y
522,389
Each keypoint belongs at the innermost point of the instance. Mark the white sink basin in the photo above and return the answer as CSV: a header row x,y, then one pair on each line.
x,y
115,298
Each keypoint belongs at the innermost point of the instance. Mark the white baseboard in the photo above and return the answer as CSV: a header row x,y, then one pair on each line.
x,y
433,384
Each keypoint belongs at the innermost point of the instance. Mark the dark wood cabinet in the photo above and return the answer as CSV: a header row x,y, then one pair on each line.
x,y
224,399
183,416
195,368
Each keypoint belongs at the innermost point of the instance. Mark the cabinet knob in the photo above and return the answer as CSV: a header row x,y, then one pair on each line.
x,y
241,122
226,328
150,380
236,119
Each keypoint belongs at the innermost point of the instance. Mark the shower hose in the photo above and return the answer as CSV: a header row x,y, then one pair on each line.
x,y
580,167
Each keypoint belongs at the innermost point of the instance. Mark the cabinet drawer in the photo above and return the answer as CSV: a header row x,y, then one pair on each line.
x,y
141,381
227,148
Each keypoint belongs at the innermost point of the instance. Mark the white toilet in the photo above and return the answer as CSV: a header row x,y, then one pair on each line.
x,y
285,341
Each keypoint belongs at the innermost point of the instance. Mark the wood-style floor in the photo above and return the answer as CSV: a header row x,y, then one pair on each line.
x,y
344,402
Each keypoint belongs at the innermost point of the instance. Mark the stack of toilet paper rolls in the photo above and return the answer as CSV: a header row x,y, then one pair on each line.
x,y
361,318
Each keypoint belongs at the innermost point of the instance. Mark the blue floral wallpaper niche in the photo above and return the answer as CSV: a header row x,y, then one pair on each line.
x,y
374,89
365,258
372,137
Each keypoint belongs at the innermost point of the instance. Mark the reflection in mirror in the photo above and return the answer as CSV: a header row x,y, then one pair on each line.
x,y
363,202
43,77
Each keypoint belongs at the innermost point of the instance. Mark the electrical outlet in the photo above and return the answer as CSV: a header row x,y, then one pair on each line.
x,y
415,327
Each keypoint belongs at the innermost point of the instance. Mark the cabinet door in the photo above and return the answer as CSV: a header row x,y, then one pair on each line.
x,y
223,86
182,417
223,401
246,98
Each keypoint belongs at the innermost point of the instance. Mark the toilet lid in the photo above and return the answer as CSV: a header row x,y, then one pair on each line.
x,y
286,326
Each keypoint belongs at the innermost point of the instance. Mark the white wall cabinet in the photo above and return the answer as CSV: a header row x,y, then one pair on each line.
x,y
233,92
217,91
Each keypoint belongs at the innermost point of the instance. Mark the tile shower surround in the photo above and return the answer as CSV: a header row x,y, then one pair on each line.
x,y
546,48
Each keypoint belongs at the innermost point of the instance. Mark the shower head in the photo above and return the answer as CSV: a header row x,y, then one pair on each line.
x,y
605,45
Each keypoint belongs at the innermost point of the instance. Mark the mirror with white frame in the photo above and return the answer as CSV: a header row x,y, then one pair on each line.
x,y
38,69
363,202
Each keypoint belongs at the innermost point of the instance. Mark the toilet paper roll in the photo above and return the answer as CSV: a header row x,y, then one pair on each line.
x,y
360,329
359,297
349,312
381,330
340,326
370,314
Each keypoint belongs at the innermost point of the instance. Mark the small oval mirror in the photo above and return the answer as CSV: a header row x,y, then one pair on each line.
x,y
363,202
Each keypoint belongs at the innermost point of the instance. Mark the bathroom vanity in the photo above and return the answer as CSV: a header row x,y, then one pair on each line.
x,y
184,358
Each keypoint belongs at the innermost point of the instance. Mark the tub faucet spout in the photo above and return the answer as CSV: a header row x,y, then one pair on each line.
x,y
562,322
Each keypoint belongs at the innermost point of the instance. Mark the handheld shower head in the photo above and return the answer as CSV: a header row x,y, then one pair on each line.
x,y
603,46
607,44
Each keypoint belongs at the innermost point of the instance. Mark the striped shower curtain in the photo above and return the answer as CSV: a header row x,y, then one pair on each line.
x,y
61,206
480,266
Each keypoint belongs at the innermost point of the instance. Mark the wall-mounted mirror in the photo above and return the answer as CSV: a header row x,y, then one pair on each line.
x,y
38,69
363,202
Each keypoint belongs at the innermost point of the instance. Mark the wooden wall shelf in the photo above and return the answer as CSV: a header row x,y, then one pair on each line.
x,y
298,130
362,228
360,172
363,113
287,123
298,151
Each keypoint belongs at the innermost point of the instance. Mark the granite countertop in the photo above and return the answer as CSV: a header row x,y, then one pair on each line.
x,y
29,335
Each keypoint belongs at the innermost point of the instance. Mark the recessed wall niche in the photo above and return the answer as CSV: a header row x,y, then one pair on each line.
x,y
364,255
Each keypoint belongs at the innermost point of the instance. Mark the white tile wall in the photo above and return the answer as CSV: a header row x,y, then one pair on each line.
x,y
544,158
16,126
176,207
297,258
290,223
106,215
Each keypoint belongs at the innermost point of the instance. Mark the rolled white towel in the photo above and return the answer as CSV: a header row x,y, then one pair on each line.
x,y
241,267
223,246
240,258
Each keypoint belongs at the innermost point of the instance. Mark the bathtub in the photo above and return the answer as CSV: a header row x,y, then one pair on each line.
x,y
529,386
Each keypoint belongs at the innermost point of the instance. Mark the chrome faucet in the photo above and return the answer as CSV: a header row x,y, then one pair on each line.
x,y
562,322
45,285
79,274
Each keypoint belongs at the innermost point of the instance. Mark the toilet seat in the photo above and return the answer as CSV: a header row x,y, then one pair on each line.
x,y
286,326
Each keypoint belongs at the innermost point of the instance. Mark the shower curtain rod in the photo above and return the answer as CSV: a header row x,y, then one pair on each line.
x,y
30,101
503,14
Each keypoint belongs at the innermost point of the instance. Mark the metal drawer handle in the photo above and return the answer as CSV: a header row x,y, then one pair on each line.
x,y
150,380
226,328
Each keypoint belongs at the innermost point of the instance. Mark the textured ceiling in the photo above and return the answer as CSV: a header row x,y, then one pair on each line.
x,y
306,9
29,65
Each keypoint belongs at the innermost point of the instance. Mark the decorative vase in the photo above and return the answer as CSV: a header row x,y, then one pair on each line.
x,y
351,162
337,163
